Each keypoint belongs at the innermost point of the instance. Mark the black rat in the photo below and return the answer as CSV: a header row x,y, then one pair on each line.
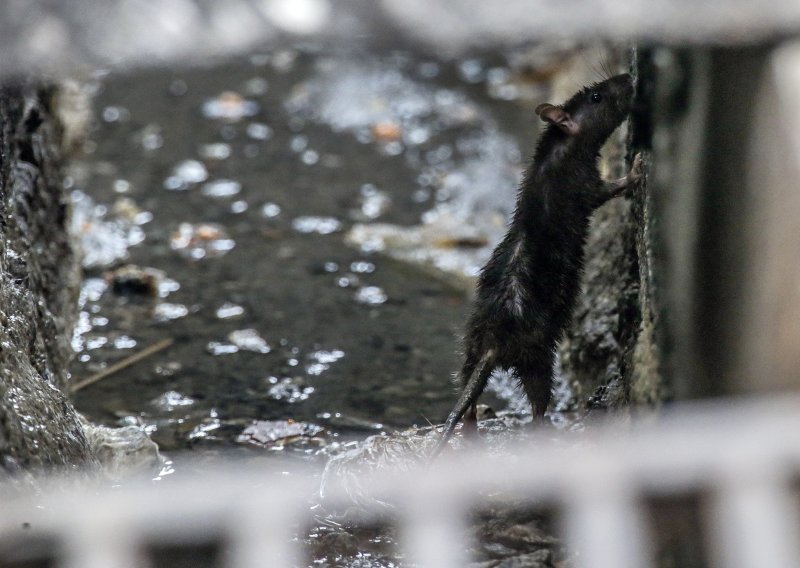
x,y
527,289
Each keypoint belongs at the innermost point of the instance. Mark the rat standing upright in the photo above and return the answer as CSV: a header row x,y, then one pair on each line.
x,y
527,289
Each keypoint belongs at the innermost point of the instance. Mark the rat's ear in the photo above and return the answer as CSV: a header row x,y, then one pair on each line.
x,y
557,116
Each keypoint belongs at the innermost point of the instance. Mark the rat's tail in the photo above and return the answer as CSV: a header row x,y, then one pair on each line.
x,y
473,387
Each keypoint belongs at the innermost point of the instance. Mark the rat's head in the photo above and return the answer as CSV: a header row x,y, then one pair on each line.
x,y
594,112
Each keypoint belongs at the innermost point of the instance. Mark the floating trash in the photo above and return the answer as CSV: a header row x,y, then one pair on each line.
x,y
166,286
171,400
449,247
124,342
371,295
132,280
185,175
104,239
95,342
221,188
201,241
249,340
320,225
229,310
229,105
276,434
386,132
220,348
166,311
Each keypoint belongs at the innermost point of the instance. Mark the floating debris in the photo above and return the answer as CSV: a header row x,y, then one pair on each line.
x,y
276,434
249,340
320,225
221,188
386,132
371,295
230,106
201,241
219,348
448,247
239,340
132,280
166,311
124,342
95,342
186,174
104,239
171,400
229,310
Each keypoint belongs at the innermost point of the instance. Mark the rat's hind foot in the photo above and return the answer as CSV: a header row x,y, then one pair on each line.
x,y
469,424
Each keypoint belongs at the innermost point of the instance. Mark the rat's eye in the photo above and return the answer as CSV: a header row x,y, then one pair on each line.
x,y
595,97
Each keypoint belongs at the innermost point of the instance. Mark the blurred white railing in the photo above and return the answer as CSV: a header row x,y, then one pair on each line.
x,y
64,38
743,455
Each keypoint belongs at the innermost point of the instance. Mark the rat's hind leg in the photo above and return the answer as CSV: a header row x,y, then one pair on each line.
x,y
469,424
472,387
536,379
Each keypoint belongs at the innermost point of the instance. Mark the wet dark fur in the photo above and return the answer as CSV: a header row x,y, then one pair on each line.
x,y
527,289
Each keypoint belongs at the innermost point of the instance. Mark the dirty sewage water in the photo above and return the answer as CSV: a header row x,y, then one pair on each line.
x,y
258,202
295,233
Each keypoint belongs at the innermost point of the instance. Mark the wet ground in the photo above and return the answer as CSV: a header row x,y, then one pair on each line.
x,y
240,183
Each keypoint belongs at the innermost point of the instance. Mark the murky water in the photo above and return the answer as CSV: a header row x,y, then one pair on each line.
x,y
234,188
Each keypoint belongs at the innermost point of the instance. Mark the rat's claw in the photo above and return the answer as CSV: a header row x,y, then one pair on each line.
x,y
637,169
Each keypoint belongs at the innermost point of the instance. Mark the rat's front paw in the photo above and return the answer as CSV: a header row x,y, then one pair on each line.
x,y
637,170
